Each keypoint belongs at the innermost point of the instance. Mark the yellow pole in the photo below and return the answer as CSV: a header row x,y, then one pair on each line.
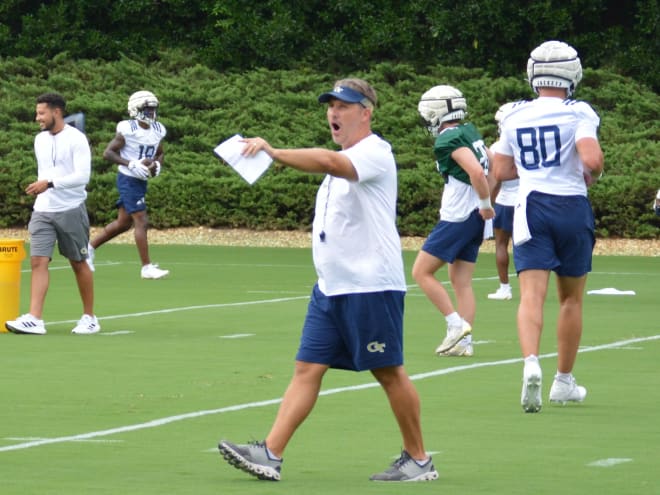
x,y
12,253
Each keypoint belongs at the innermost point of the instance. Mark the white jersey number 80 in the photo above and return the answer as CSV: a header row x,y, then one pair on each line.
x,y
539,146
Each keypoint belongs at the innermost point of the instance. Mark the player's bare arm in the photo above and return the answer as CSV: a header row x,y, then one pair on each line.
x,y
160,154
111,152
468,162
504,168
591,155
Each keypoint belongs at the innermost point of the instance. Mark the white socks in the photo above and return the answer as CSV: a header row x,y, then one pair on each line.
x,y
564,377
531,359
454,320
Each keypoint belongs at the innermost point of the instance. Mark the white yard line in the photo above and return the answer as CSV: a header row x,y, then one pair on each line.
x,y
251,405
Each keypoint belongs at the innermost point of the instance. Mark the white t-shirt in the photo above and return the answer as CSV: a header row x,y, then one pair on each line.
x,y
509,188
65,159
508,193
139,142
361,249
541,136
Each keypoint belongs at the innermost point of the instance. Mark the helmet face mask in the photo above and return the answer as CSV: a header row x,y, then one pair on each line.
x,y
143,107
554,64
441,104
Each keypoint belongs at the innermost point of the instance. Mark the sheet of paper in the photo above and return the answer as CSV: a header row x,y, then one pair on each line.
x,y
250,168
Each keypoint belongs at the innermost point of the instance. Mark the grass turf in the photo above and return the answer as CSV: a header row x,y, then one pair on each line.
x,y
206,353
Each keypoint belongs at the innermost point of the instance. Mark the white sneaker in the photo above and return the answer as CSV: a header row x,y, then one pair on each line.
x,y
563,392
530,398
87,325
501,294
90,257
153,272
454,336
462,349
26,324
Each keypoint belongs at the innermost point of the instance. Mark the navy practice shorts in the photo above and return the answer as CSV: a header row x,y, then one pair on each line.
x,y
503,218
132,193
353,331
449,241
563,239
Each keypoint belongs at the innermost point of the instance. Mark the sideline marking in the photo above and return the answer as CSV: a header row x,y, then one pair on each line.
x,y
100,440
412,292
237,336
190,308
68,267
250,405
613,461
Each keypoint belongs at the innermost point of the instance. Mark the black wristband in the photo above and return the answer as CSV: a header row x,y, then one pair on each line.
x,y
50,184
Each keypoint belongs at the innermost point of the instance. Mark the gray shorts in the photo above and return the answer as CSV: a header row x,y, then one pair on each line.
x,y
69,228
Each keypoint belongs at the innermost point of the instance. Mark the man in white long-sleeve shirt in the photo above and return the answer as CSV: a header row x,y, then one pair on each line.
x,y
59,214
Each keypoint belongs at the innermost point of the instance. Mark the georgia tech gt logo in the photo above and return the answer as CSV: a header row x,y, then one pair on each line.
x,y
376,346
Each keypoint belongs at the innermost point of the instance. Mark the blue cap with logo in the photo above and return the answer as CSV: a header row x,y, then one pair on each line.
x,y
344,93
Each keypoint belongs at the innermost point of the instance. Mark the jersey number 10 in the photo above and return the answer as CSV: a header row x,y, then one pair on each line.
x,y
146,151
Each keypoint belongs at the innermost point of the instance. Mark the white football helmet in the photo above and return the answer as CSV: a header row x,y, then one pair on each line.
x,y
441,104
554,64
143,106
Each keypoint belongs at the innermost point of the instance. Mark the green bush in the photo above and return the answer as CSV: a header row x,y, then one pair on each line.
x,y
201,107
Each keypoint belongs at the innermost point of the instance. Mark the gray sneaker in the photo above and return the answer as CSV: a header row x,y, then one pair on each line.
x,y
405,468
252,458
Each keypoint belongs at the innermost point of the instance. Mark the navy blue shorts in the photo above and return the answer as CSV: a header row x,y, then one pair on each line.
x,y
132,193
353,331
449,241
503,218
563,238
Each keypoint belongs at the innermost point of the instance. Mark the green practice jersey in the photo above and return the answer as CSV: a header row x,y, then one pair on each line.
x,y
452,138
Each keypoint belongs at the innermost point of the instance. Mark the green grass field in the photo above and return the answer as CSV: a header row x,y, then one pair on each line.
x,y
206,354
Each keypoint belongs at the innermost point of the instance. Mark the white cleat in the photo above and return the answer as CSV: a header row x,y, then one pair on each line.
x,y
562,392
530,399
501,294
152,271
454,336
462,349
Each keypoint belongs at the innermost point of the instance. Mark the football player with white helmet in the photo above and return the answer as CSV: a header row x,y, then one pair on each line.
x,y
137,149
551,144
505,194
463,159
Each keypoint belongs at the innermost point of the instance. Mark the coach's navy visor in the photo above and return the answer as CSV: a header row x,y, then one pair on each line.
x,y
346,94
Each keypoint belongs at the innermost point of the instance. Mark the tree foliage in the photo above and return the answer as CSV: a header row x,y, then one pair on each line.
x,y
339,36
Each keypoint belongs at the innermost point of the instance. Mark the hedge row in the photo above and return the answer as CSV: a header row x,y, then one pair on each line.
x,y
202,107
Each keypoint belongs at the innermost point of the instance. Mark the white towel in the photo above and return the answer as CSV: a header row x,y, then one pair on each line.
x,y
521,232
488,229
